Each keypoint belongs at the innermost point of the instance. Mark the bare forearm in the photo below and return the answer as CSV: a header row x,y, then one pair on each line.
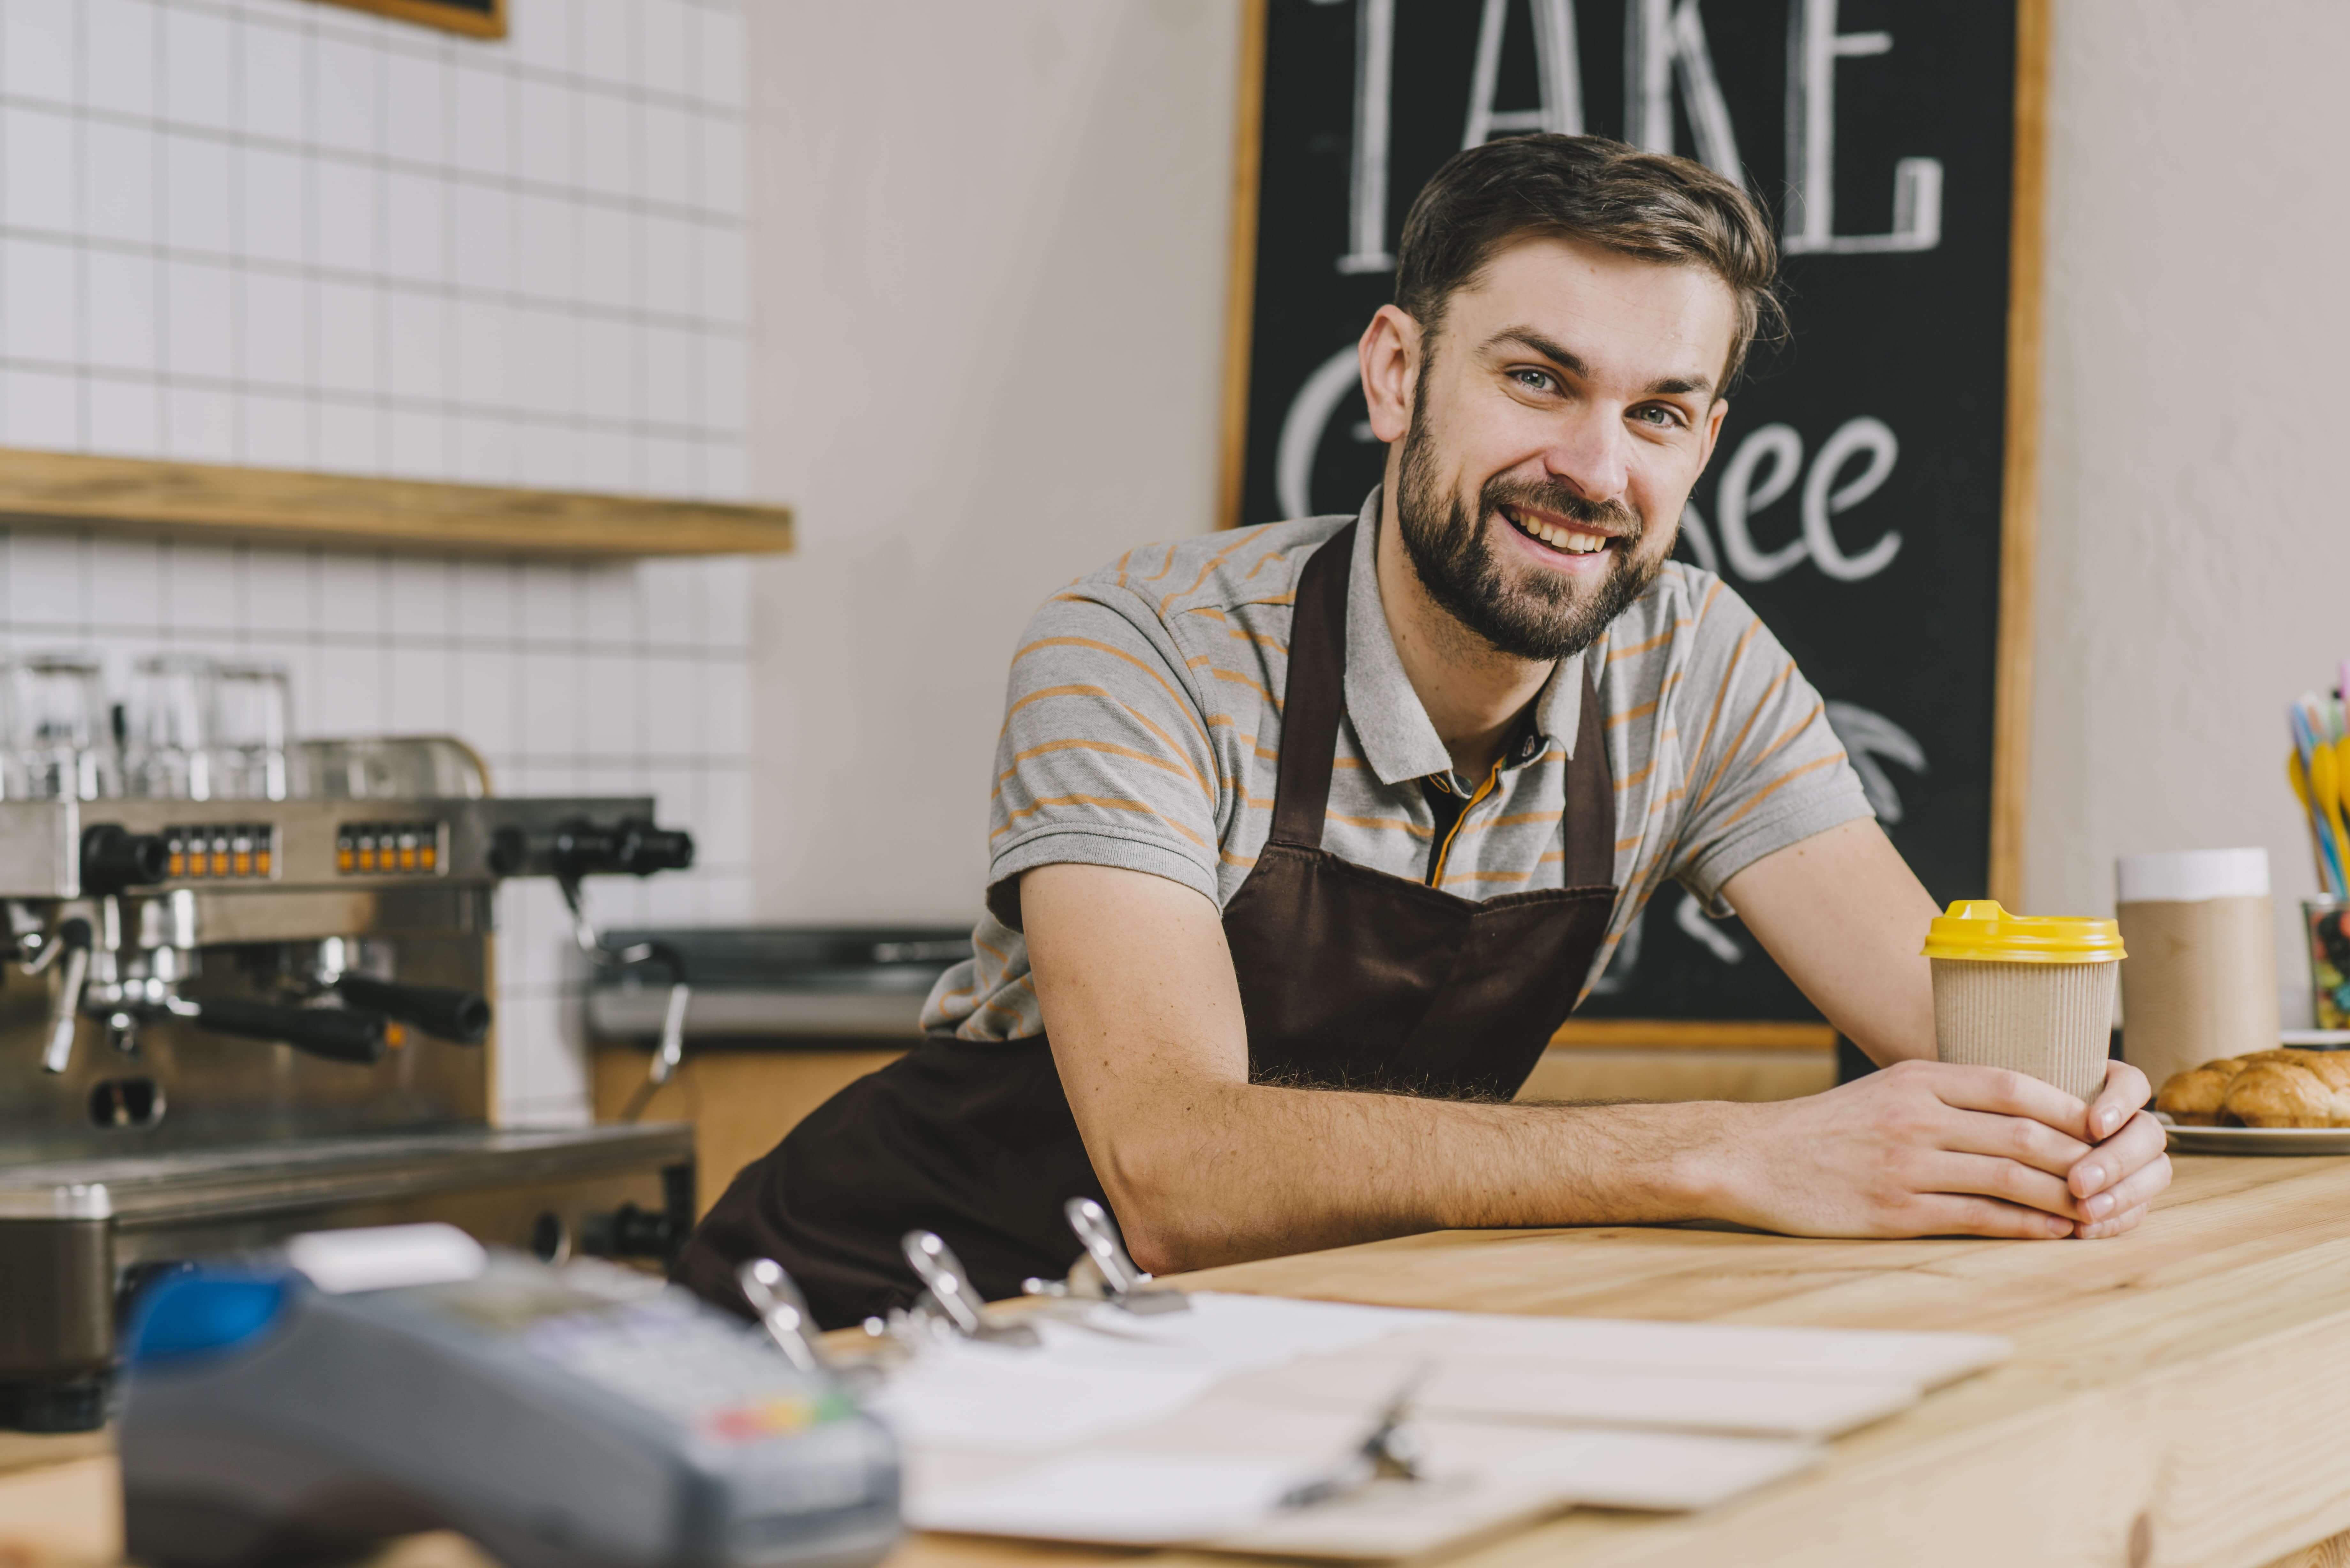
x,y
1844,915
1232,1171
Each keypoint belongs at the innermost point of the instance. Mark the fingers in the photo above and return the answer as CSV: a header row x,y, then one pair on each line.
x,y
2126,1091
1943,1173
2019,1138
2009,1094
2136,1191
2136,1145
2098,1231
1957,1214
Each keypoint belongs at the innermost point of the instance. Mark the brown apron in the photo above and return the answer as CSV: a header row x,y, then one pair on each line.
x,y
1349,978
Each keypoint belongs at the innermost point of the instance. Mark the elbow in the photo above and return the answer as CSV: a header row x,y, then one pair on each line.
x,y
1158,1208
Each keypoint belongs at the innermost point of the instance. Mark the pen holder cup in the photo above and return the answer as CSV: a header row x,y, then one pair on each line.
x,y
2329,962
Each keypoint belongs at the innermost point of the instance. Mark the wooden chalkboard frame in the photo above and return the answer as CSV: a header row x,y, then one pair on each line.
x,y
2019,484
470,20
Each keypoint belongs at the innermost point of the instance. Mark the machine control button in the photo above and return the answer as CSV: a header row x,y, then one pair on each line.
x,y
388,848
219,851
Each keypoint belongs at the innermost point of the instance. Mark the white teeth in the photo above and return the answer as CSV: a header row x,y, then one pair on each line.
x,y
1573,541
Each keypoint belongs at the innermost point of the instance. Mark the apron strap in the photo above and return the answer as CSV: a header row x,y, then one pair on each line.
x,y
1315,693
1590,826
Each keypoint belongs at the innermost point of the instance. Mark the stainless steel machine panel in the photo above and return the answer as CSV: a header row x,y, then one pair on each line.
x,y
229,1020
79,1237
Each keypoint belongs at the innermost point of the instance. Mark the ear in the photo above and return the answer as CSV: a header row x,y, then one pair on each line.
x,y
1713,418
1389,355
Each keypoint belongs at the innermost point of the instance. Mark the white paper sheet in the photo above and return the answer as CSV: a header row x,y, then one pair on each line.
x,y
1185,1427
1487,1387
1127,1500
1086,1382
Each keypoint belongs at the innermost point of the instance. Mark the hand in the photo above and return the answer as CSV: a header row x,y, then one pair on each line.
x,y
1929,1149
2116,1181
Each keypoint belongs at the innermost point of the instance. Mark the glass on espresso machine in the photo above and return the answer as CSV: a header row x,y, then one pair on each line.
x,y
225,1018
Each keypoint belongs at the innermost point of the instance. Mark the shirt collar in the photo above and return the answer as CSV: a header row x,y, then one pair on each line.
x,y
1397,740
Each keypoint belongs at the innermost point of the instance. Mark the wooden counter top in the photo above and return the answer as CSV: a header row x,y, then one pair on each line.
x,y
2178,1397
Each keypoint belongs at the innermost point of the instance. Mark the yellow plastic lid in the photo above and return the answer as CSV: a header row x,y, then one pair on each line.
x,y
1981,929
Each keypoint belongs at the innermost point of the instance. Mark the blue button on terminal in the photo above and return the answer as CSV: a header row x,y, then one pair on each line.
x,y
207,1313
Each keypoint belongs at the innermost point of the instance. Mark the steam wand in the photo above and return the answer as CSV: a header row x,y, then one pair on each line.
x,y
671,1053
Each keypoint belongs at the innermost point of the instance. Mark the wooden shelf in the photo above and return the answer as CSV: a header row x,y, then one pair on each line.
x,y
278,506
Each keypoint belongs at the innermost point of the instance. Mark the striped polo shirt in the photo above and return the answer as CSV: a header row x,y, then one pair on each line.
x,y
1142,730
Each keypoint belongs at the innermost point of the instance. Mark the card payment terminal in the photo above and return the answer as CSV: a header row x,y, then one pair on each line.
x,y
576,1418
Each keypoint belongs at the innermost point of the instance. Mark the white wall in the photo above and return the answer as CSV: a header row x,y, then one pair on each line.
x,y
2195,551
290,235
990,291
991,273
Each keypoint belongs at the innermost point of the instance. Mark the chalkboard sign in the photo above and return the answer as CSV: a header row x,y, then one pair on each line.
x,y
1870,494
475,18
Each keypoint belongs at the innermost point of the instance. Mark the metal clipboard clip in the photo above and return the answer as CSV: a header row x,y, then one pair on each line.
x,y
1107,1272
948,1295
782,1313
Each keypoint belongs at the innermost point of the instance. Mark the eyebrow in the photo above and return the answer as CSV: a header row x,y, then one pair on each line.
x,y
1527,337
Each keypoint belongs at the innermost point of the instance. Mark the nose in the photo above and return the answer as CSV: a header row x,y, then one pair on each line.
x,y
1592,454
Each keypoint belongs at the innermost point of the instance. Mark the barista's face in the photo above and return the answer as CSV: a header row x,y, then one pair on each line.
x,y
1556,421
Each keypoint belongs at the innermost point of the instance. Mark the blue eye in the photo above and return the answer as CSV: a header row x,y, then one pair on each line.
x,y
1533,381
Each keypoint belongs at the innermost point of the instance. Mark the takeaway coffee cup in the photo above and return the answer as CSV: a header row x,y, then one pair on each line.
x,y
2030,994
2203,980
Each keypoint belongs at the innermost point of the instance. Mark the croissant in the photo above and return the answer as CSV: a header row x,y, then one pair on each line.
x,y
2280,1095
2192,1098
2281,1088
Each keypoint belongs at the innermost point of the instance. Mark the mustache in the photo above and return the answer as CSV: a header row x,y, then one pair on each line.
x,y
1611,517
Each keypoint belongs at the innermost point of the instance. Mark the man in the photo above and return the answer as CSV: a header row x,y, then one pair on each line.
x,y
1306,838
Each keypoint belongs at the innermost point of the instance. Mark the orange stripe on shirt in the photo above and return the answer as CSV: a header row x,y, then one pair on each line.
x,y
1789,777
1512,819
1136,714
1107,803
1237,678
1209,565
1115,652
1790,733
1108,748
1730,752
1721,695
1664,690
1659,640
1164,569
1386,822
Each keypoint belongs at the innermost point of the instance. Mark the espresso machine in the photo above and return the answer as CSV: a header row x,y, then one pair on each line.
x,y
223,1023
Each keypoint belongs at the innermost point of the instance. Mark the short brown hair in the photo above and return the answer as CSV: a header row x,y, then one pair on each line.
x,y
1647,205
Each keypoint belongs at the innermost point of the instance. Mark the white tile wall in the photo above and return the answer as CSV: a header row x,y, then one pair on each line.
x,y
290,235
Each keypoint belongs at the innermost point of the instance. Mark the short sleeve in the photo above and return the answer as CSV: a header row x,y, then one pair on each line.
x,y
1105,758
1769,771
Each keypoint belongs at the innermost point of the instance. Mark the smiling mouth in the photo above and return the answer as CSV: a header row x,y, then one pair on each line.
x,y
1570,541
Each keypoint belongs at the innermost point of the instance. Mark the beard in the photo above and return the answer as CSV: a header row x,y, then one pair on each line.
x,y
1528,614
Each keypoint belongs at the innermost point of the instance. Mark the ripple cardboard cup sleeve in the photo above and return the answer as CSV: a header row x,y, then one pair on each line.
x,y
2201,981
2026,993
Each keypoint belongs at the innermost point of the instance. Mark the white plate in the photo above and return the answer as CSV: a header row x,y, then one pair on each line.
x,y
2256,1140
